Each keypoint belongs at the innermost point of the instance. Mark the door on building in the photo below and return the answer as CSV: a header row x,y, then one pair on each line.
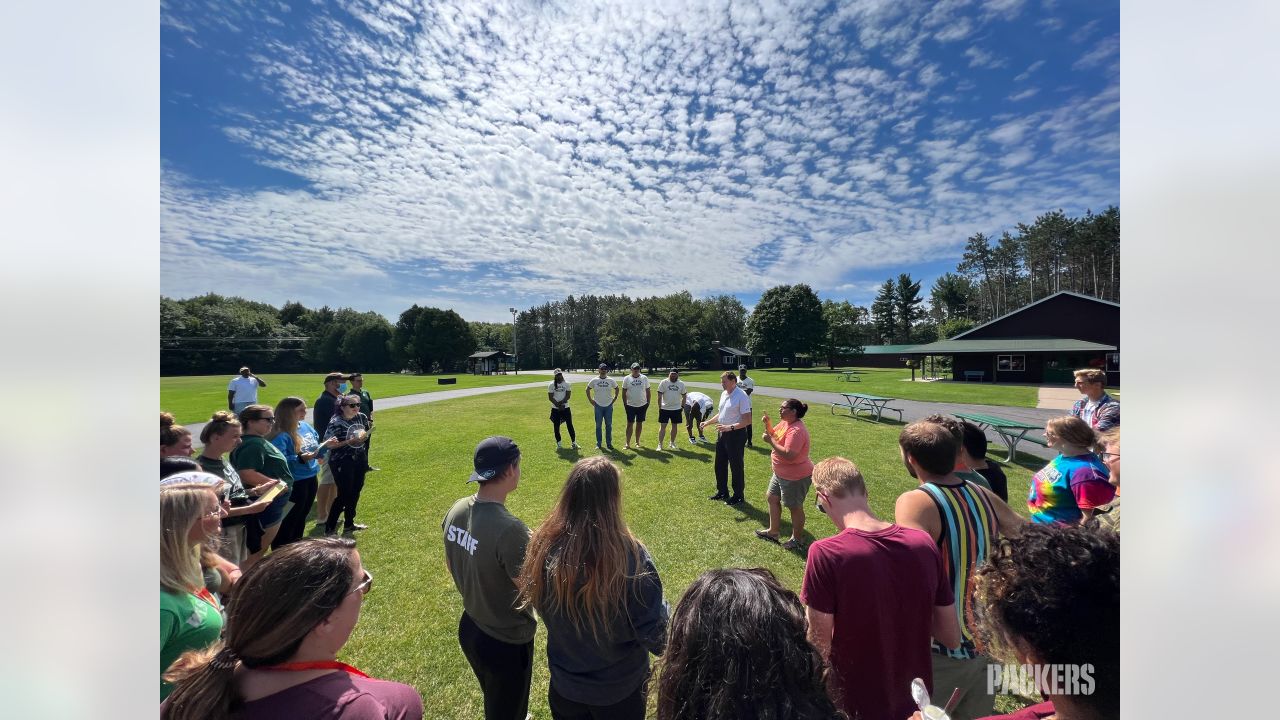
x,y
1060,367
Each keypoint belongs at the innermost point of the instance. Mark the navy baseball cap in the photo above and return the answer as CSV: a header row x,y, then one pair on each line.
x,y
492,455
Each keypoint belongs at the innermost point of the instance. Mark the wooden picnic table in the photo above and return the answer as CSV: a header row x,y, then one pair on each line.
x,y
856,402
848,375
1010,431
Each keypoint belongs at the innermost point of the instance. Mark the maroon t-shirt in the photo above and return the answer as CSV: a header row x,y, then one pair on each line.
x,y
338,695
882,588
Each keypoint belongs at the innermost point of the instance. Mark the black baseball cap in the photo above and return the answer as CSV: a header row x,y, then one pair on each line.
x,y
492,455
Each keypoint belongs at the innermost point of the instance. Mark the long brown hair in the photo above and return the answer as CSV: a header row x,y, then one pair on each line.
x,y
577,560
276,604
286,422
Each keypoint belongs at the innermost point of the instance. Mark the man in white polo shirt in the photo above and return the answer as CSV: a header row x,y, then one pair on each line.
x,y
602,391
731,419
242,391
671,392
635,400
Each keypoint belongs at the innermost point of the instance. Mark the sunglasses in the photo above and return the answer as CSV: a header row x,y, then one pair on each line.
x,y
350,405
364,587
271,418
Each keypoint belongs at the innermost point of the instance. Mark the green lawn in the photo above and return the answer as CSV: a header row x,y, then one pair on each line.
x,y
889,382
194,398
408,630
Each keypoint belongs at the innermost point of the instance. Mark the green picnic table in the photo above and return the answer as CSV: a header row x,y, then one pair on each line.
x,y
1010,431
856,402
848,375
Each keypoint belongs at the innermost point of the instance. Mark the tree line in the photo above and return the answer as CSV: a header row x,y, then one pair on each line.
x,y
216,334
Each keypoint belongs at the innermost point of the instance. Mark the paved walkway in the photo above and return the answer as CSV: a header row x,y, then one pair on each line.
x,y
912,410
1057,398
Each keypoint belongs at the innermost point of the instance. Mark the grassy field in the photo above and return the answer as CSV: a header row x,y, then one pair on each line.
x,y
408,629
889,382
194,398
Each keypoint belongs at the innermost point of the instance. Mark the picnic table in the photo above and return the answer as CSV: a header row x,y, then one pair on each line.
x,y
848,375
857,402
1011,432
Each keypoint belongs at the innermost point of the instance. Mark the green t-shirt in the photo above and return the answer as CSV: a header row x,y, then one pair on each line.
x,y
974,478
186,623
255,453
484,545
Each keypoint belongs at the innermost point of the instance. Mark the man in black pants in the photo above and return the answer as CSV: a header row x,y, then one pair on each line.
x,y
731,420
484,547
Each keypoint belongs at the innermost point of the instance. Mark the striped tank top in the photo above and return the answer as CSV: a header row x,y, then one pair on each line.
x,y
968,530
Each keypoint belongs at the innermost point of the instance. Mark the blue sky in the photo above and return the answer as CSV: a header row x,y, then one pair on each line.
x,y
482,155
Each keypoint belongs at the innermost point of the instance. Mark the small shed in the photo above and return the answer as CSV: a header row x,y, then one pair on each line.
x,y
489,362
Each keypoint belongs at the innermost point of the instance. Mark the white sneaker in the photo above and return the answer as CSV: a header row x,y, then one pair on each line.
x,y
558,447
671,446
692,441
575,445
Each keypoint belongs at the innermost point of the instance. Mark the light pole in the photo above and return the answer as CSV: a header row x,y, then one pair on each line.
x,y
515,344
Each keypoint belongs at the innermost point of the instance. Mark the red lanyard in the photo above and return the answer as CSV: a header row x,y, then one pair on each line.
x,y
315,665
207,596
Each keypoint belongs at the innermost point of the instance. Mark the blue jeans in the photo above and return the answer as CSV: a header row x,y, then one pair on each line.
x,y
604,412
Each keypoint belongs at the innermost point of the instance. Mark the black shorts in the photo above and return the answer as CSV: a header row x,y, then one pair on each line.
x,y
694,414
668,416
561,415
636,414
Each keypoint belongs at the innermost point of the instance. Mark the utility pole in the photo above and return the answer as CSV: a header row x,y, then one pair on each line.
x,y
515,343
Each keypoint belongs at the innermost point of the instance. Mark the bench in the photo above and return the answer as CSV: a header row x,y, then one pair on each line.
x,y
1011,432
446,381
978,375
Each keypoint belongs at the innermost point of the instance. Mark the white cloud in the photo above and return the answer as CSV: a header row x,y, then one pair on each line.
x,y
981,58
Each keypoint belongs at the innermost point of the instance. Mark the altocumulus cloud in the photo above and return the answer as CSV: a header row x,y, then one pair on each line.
x,y
445,147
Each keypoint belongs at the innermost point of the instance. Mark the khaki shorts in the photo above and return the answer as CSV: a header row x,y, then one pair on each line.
x,y
326,475
792,492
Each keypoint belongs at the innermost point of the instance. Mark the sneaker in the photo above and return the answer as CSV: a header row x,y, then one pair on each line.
x,y
718,496
693,441
598,446
330,531
702,438
611,448
672,445
733,501
627,446
559,446
354,526
372,469
574,445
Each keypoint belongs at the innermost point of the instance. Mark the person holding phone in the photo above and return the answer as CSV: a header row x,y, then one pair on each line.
x,y
348,461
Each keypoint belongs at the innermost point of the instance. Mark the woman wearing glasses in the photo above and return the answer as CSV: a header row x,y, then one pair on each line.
x,y
598,593
346,434
286,624
190,520
792,471
294,437
258,461
1074,483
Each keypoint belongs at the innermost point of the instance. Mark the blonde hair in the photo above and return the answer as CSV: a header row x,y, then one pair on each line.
x,y
577,560
839,477
1091,375
728,375
221,421
181,507
1073,430
171,433
1107,437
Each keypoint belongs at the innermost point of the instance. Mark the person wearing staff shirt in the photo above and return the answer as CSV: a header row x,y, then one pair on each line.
x,y
636,392
602,392
732,418
558,392
671,393
748,386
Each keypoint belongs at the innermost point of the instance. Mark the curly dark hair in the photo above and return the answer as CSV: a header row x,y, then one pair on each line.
x,y
1055,590
738,650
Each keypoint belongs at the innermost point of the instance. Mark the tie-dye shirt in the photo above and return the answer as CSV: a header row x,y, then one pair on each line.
x,y
1066,485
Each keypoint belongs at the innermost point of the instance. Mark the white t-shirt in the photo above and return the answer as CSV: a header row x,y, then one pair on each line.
x,y
747,383
699,400
633,388
733,406
602,389
246,389
670,393
559,391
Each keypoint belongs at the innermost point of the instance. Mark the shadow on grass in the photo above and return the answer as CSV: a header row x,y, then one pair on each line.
x,y
760,516
1025,460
